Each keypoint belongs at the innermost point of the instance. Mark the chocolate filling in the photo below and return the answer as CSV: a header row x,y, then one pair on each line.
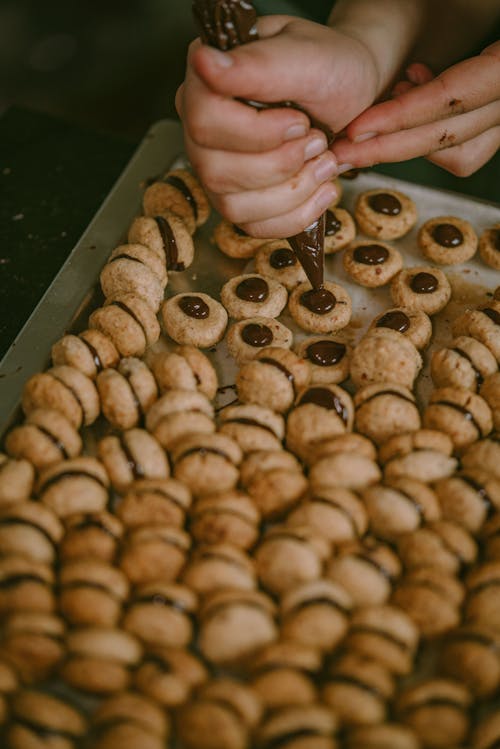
x,y
464,411
252,289
326,353
159,599
94,353
478,637
376,565
72,391
479,377
11,581
492,314
339,508
203,451
194,306
169,244
213,556
90,522
435,702
447,235
13,520
320,301
319,601
257,335
371,254
395,320
332,224
137,470
379,393
69,474
355,682
385,203
222,511
278,365
325,399
223,605
125,308
78,584
164,495
177,182
371,630
44,732
125,256
250,423
282,258
493,582
481,492
423,283
55,441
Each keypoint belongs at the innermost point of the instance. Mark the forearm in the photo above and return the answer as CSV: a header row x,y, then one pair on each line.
x,y
388,28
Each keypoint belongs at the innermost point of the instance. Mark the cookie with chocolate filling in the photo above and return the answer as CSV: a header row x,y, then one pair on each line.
x,y
218,566
489,247
422,455
133,455
384,355
273,378
483,324
487,732
253,427
91,592
180,192
462,414
385,213
235,624
134,269
132,720
469,497
168,236
234,242
194,319
45,437
129,321
91,534
437,710
225,517
313,725
276,260
247,337
90,351
187,368
400,506
447,240
328,358
333,512
251,295
490,392
127,392
154,552
470,654
323,310
30,529
421,288
381,736
345,469
33,642
384,410
64,389
283,674
16,480
490,538
177,414
76,485
340,229
442,544
482,603
370,264
160,614
169,675
149,501
26,585
414,324
274,480
464,363
484,454
207,463
40,719
315,613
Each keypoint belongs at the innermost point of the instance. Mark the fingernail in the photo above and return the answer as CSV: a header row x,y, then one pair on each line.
x,y
324,169
314,147
296,131
344,168
221,59
363,137
325,197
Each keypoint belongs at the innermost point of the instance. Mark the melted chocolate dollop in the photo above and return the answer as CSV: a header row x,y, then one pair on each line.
x,y
384,202
257,335
371,254
447,235
396,320
326,353
326,399
194,306
492,314
332,224
424,283
252,289
320,301
282,258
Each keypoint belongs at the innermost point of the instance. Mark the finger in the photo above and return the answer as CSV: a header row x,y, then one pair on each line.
x,y
418,73
226,172
420,141
401,87
259,205
293,222
464,87
467,158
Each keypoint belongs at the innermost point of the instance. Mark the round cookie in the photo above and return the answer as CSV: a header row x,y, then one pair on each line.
x,y
441,544
482,601
207,463
490,391
33,642
384,410
160,614
234,242
463,415
347,469
177,414
313,725
414,324
30,529
129,321
36,715
134,269
134,454
370,264
131,720
127,392
252,426
251,295
340,229
219,566
75,485
482,323
180,192
247,337
400,506
422,455
26,584
169,675
447,240
272,379
278,261
465,363
324,310
421,288
485,455
90,351
16,480
194,319
168,236
154,552
225,517
283,674
92,534
487,732
470,655
91,592
333,512
45,437
274,480
328,359
385,213
489,247
63,389
384,355
186,368
150,501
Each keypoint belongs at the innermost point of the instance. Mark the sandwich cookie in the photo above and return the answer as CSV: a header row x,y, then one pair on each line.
x,y
462,414
79,485
207,463
194,319
127,392
347,468
44,438
333,512
323,310
17,478
168,236
219,566
169,675
252,295
490,538
134,269
247,337
385,214
154,552
487,732
132,456
30,529
372,264
178,414
328,359
225,517
469,497
234,242
421,455
274,480
180,192
482,603
132,720
483,324
91,592
465,363
470,654
483,454
9,683
277,261
64,389
423,288
129,321
400,506
154,501
42,720
414,324
442,545
283,674
160,614
490,391
252,426
186,368
384,355
90,351
384,410
314,726
33,642
26,585
489,247
382,736
447,240
272,379
91,534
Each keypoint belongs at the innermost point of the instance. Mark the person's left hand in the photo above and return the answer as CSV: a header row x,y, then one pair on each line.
x,y
453,119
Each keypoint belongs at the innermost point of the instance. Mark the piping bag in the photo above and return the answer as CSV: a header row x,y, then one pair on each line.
x,y
225,24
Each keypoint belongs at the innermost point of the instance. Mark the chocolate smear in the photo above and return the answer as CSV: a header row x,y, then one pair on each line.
x,y
447,235
320,301
385,203
325,353
194,306
325,398
396,320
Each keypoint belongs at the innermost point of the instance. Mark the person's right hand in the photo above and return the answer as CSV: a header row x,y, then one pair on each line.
x,y
268,171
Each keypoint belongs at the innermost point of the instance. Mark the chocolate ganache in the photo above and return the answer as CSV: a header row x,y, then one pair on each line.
x,y
447,235
493,314
371,254
395,319
177,182
257,335
282,258
385,203
423,283
253,289
320,301
194,306
169,244
326,399
325,353
332,224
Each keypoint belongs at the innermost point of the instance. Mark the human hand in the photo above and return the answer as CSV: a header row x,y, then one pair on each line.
x,y
267,170
453,120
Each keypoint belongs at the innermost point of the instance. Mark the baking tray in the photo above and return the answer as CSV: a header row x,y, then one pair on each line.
x,y
74,291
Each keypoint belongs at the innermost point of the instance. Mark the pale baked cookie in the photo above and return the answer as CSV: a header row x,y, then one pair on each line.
x,y
347,461
91,592
464,363
324,310
447,240
160,614
36,714
78,485
385,355
130,719
26,585
169,675
90,351
443,545
283,674
469,497
127,392
469,654
64,389
152,553
432,598
414,324
367,569
178,414
489,247
33,643
421,288
149,501
16,480
385,214
168,236
252,426
134,269
274,479
400,506
30,529
133,455
328,359
462,414
370,264
233,241
186,368
91,534
484,454
207,463
278,261
180,192
194,319
425,454
217,566
483,324
129,321
384,410
225,517
247,337
45,437
273,378
251,295
315,721
335,512
340,230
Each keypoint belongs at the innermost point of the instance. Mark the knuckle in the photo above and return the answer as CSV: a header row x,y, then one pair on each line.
x,y
228,208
